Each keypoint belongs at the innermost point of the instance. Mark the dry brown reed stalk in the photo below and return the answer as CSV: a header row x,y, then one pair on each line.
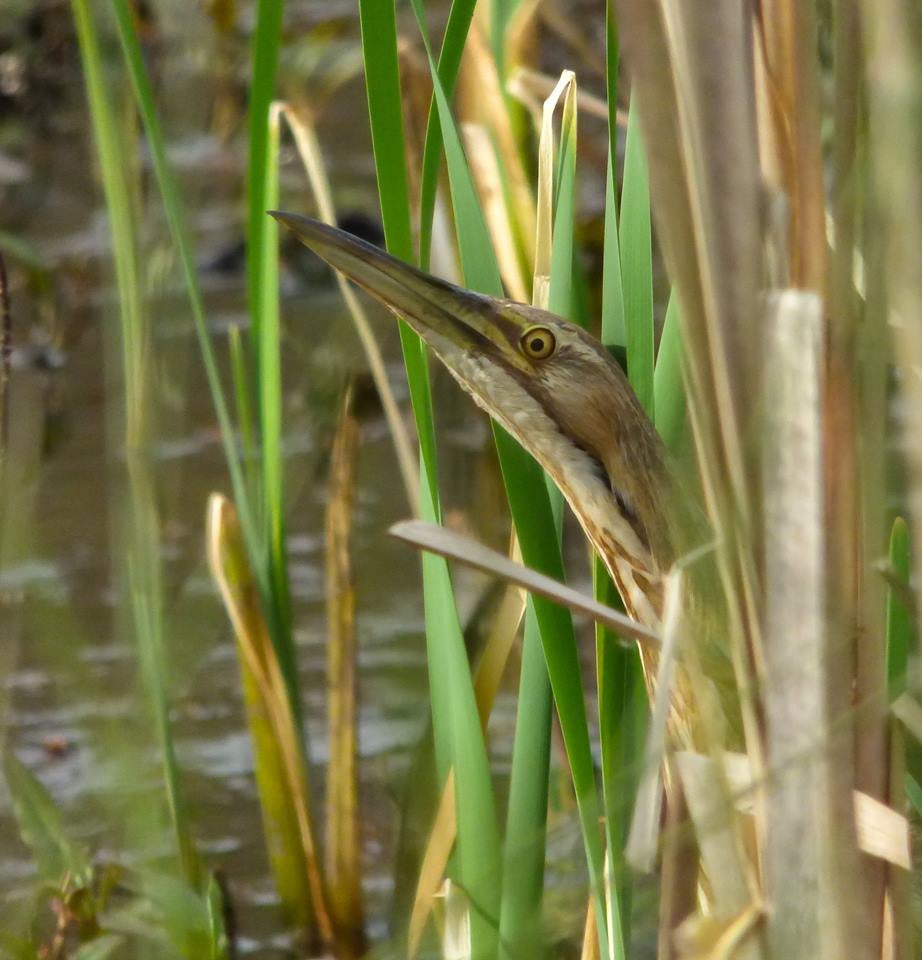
x,y
481,101
487,676
892,53
281,768
6,355
532,86
728,105
486,168
488,180
692,82
309,151
693,86
893,50
342,848
787,39
801,882
590,948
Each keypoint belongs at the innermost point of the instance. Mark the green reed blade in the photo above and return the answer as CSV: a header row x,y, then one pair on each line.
x,y
456,30
175,213
637,264
524,847
526,821
899,626
244,407
530,507
385,113
173,207
560,294
260,163
668,384
458,739
40,823
141,523
612,325
265,251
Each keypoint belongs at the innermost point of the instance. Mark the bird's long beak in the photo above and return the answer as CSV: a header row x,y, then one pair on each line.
x,y
441,313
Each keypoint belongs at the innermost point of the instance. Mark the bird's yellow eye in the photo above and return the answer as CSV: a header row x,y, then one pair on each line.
x,y
538,343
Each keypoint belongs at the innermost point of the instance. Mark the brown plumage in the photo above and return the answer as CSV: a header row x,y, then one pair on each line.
x,y
557,391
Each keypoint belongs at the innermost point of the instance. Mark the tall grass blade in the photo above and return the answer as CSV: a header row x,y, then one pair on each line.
x,y
41,827
263,248
261,167
487,676
459,742
311,157
243,401
526,817
530,506
456,30
141,528
612,327
563,208
668,387
179,232
520,925
455,546
634,243
281,769
343,842
899,627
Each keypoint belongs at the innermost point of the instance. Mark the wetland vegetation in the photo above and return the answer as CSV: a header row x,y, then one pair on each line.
x,y
241,719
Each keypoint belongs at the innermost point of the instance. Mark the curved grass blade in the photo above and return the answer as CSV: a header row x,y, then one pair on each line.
x,y
456,546
622,697
899,629
530,506
456,30
41,826
140,524
668,386
343,842
173,207
262,164
281,769
264,249
637,264
311,157
459,742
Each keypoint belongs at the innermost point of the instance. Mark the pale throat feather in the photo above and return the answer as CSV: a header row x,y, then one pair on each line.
x,y
629,561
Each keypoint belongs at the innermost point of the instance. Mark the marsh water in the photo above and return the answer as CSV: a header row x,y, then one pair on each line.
x,y
73,706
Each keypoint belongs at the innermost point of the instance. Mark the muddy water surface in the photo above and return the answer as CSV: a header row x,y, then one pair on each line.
x,y
73,708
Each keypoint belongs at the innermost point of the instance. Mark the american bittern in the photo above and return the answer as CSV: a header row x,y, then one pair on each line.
x,y
556,390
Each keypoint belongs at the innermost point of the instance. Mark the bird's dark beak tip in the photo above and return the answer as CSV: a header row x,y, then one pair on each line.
x,y
308,231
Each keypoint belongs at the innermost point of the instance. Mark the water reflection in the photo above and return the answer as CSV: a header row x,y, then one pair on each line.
x,y
75,713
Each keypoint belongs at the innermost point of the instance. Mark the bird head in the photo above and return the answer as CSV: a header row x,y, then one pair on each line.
x,y
548,382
